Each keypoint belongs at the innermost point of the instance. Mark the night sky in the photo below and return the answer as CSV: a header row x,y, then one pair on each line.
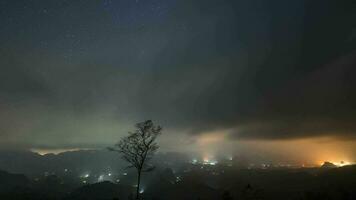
x,y
269,74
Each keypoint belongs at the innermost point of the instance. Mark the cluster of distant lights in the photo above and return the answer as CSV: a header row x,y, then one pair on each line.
x,y
85,178
212,162
101,178
104,177
208,161
204,162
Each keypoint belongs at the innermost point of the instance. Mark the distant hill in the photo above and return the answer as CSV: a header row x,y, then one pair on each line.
x,y
341,176
328,165
32,164
10,181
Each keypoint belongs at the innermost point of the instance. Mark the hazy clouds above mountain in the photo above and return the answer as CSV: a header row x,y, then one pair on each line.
x,y
81,73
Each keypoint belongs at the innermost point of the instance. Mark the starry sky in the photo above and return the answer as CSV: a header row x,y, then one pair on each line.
x,y
80,73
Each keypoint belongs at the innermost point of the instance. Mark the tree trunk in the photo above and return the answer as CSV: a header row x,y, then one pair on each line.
x,y
138,185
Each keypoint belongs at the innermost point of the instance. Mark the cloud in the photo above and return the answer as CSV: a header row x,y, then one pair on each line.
x,y
262,70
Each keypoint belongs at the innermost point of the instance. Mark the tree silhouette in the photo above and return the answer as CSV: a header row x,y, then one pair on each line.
x,y
139,147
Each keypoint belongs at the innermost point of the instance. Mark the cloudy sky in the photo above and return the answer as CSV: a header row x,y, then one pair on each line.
x,y
79,74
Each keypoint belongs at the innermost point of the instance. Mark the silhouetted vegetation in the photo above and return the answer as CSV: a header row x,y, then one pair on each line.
x,y
138,148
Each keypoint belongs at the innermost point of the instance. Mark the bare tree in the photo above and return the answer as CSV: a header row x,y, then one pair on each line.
x,y
139,147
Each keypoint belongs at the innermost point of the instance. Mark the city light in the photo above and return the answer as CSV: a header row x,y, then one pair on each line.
x,y
178,179
85,176
342,163
101,178
209,162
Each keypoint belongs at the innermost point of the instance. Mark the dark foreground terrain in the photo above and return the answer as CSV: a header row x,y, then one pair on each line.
x,y
197,183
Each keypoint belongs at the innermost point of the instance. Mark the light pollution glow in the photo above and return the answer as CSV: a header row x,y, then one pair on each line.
x,y
55,151
304,152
